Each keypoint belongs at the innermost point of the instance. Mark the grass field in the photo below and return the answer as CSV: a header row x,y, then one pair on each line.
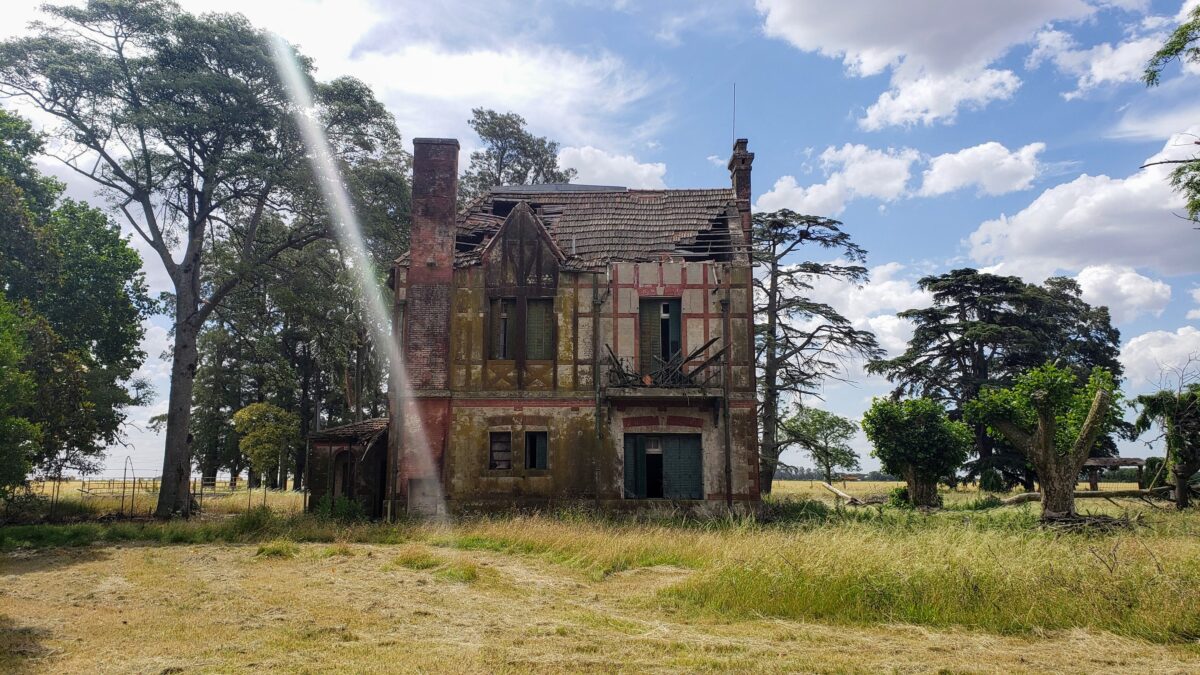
x,y
820,589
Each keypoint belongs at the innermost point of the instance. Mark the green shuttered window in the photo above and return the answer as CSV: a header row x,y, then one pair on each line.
x,y
539,330
668,466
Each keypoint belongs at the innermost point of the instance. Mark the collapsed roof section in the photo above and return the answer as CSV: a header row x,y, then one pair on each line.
x,y
594,225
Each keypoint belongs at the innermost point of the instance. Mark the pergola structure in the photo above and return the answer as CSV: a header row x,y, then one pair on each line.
x,y
1094,464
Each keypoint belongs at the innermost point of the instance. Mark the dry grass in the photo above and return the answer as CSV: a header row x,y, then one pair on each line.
x,y
218,608
851,590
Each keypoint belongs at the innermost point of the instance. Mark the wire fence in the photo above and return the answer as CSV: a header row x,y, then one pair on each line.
x,y
133,497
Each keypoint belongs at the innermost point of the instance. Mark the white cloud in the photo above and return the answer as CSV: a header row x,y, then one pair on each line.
x,y
1158,113
990,166
1195,313
1147,355
933,98
1098,65
1094,220
1126,293
873,306
598,167
937,51
716,160
852,171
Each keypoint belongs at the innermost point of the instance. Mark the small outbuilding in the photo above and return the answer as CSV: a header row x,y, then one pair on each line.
x,y
349,462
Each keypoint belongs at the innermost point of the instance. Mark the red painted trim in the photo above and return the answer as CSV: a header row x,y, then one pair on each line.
x,y
644,421
518,403
677,421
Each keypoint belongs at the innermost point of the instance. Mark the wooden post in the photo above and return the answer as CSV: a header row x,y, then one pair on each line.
x,y
1141,478
1094,478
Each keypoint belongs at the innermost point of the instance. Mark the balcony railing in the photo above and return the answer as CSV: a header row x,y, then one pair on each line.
x,y
679,372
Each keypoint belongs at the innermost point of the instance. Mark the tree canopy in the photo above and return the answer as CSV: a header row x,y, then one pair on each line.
x,y
825,437
511,155
1180,45
268,433
799,342
916,439
1055,418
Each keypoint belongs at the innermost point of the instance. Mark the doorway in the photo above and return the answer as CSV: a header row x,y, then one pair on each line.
x,y
663,466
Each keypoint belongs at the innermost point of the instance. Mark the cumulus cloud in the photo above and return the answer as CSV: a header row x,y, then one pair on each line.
x,y
1126,293
873,306
851,171
937,51
993,168
1146,356
598,167
933,98
1094,220
1195,313
1092,67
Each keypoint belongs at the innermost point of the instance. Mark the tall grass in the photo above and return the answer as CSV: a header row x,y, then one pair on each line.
x,y
994,570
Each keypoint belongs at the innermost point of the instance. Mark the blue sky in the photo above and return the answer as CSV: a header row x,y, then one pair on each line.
x,y
944,133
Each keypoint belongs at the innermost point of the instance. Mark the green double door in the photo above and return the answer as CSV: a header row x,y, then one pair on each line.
x,y
663,466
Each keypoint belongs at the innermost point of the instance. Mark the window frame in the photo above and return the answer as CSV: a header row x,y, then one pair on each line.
x,y
531,461
493,437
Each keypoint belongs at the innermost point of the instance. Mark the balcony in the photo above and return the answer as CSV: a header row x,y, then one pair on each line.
x,y
680,377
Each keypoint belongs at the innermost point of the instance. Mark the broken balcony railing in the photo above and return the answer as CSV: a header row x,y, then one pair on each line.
x,y
679,372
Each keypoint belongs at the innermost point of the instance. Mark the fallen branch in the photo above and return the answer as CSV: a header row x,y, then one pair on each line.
x,y
852,501
1025,497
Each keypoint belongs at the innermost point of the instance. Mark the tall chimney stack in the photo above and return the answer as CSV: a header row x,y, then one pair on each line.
x,y
430,275
739,173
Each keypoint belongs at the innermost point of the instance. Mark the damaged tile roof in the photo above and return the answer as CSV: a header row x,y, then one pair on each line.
x,y
594,225
363,430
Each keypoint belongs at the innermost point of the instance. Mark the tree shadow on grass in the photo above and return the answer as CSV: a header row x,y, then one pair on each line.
x,y
21,648
27,561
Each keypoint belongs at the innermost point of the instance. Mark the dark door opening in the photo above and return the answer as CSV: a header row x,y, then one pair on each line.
x,y
663,466
654,476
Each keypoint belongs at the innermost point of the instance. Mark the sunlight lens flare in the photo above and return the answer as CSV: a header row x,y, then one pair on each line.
x,y
349,236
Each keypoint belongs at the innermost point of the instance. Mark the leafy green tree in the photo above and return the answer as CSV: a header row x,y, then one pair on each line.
x,y
916,439
1056,420
1176,411
511,155
984,330
1180,45
80,287
825,437
18,436
799,343
185,124
268,434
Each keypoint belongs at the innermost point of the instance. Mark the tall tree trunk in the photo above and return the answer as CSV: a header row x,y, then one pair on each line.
x,y
1058,491
922,491
174,497
769,447
1182,489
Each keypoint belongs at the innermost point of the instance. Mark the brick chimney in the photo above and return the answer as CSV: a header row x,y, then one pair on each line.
x,y
739,173
430,275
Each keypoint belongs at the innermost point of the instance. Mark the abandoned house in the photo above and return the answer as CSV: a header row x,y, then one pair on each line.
x,y
561,342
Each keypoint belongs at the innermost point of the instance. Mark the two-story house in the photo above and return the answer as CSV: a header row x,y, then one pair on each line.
x,y
562,342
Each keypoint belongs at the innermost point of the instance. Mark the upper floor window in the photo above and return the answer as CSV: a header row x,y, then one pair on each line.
x,y
539,329
537,333
659,328
504,319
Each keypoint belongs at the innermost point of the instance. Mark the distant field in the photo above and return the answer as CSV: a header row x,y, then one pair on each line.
x,y
103,496
822,589
814,490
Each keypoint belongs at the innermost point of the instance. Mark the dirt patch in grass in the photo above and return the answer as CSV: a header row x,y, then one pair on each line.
x,y
218,608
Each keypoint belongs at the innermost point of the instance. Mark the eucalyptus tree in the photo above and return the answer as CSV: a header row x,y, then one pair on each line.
x,y
185,125
799,342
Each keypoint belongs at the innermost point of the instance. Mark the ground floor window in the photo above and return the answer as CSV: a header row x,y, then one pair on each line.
x,y
500,451
537,450
663,466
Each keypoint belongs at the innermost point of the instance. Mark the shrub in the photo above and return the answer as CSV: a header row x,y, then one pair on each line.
x,y
280,548
991,481
341,509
